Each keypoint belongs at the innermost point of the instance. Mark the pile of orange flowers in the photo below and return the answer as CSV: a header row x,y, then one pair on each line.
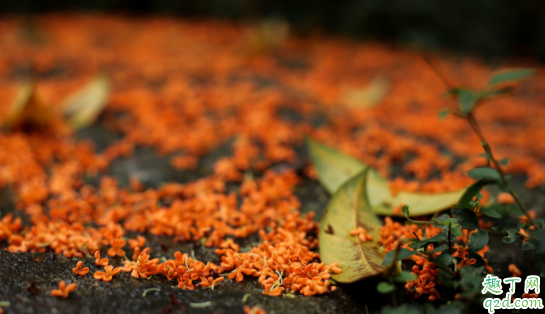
x,y
394,235
198,210
185,88
184,82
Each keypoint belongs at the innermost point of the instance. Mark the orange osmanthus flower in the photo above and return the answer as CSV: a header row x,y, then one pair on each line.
x,y
116,247
64,290
78,270
107,274
99,261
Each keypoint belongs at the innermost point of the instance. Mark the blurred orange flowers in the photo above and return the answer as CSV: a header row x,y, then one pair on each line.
x,y
64,290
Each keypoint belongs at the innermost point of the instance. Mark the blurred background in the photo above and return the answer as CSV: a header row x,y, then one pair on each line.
x,y
490,28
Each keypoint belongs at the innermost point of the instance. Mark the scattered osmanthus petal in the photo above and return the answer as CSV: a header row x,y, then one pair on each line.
x,y
107,274
81,108
116,248
347,210
361,233
78,270
140,241
505,198
64,289
514,270
253,310
99,261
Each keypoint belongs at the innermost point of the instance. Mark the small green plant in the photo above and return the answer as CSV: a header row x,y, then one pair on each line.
x,y
455,253
467,100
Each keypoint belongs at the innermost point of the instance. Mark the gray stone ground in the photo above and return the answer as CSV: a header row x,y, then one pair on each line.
x,y
124,293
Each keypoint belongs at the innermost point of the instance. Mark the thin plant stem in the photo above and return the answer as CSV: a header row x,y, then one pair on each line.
x,y
488,150
448,238
475,126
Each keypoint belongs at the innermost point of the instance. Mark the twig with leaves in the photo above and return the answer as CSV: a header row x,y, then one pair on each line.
x,y
467,100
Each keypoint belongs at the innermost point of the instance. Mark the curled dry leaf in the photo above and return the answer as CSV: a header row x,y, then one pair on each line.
x,y
367,97
347,210
83,107
334,168
29,109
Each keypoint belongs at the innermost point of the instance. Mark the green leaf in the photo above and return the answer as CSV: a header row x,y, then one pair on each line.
x,y
443,217
449,309
523,225
471,192
467,100
510,75
452,221
440,237
484,173
479,262
504,209
470,281
466,218
452,235
334,168
456,231
528,245
442,261
538,239
83,107
477,241
490,212
504,161
443,113
405,211
385,287
540,223
402,309
445,277
510,237
439,248
403,254
348,209
405,276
